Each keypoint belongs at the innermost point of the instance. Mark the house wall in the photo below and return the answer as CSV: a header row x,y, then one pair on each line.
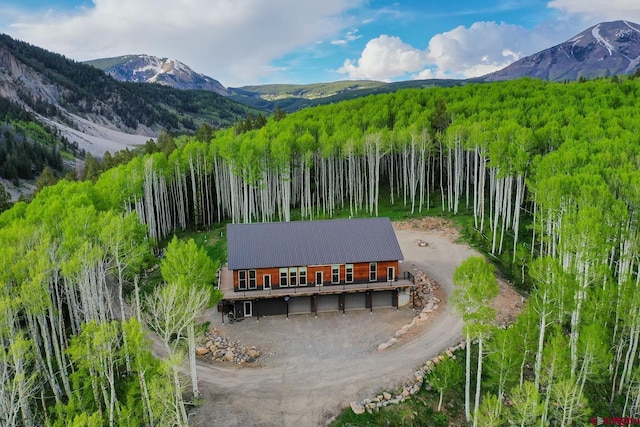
x,y
360,273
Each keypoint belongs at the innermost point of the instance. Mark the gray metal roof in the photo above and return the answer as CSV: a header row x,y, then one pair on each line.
x,y
299,243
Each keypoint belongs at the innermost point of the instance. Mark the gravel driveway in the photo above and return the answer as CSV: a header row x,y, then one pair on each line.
x,y
311,368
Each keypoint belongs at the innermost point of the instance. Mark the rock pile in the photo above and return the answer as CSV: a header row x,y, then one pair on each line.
x,y
424,289
218,348
386,398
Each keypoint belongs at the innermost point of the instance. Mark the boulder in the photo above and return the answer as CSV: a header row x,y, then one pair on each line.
x,y
229,356
357,408
253,353
201,351
387,396
384,346
400,332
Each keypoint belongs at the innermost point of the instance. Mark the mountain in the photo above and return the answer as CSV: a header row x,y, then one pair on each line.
x,y
151,69
606,49
95,110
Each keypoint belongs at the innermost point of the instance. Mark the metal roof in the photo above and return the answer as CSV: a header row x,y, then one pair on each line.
x,y
300,243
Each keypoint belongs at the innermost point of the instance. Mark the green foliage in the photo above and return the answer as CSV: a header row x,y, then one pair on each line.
x,y
250,123
187,264
98,356
91,169
279,114
526,405
490,411
440,120
447,375
476,286
5,199
26,148
46,179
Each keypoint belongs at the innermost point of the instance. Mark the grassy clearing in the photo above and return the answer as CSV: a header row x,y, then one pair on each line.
x,y
212,239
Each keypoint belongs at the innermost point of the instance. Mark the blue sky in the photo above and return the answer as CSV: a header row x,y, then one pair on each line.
x,y
243,42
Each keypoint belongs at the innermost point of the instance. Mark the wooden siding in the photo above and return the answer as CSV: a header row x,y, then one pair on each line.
x,y
360,275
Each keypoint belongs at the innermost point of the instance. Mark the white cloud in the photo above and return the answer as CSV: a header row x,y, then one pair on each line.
x,y
599,10
349,37
383,58
480,49
232,41
463,52
460,53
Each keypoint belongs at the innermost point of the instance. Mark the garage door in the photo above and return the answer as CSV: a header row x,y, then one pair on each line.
x,y
355,301
383,299
328,302
299,305
272,307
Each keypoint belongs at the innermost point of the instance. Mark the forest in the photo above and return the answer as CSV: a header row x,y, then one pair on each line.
x,y
27,146
547,174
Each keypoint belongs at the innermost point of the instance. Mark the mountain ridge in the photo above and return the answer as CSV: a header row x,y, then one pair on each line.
x,y
142,68
603,50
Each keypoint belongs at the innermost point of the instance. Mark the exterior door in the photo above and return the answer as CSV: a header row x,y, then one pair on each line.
x,y
391,274
266,281
248,308
318,278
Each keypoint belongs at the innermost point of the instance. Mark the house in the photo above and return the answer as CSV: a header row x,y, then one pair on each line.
x,y
312,266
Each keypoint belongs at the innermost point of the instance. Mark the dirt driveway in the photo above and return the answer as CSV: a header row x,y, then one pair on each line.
x,y
311,368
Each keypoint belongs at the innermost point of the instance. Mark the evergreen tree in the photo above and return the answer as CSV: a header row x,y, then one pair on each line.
x,y
5,199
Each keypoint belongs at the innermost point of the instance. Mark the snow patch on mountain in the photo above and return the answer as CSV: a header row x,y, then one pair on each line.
x,y
164,71
596,34
628,24
606,49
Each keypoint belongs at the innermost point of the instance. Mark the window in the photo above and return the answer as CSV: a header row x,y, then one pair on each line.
x,y
293,272
302,274
242,279
283,278
252,279
373,271
335,274
348,273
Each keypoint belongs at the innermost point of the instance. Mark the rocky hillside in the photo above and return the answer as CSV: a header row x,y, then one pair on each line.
x,y
94,109
606,49
151,69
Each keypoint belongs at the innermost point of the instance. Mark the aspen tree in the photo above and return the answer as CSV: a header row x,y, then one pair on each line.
x,y
476,286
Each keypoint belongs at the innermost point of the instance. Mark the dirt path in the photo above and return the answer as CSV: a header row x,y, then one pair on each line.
x,y
311,368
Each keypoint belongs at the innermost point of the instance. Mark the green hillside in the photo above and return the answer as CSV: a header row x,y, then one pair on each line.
x,y
296,97
275,92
